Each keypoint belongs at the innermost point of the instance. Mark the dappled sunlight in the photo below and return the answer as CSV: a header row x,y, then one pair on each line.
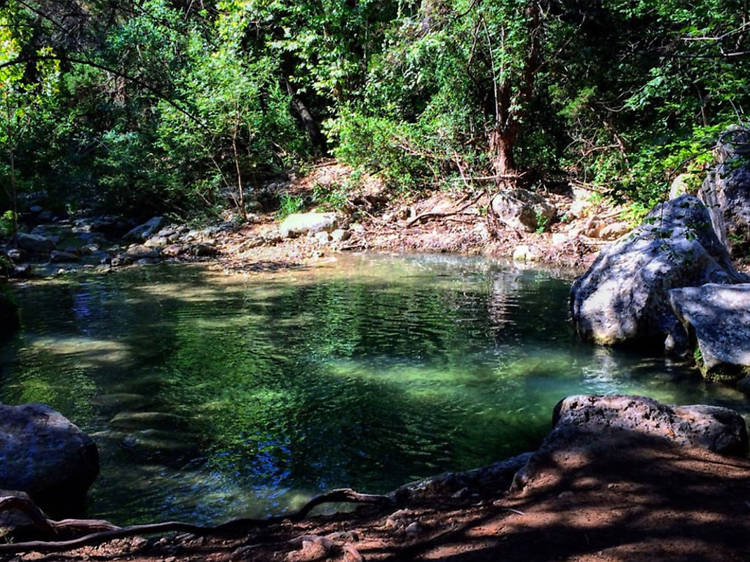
x,y
213,395
84,352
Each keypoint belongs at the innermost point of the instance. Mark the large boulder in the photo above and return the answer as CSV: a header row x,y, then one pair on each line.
x,y
146,230
716,429
35,243
726,191
624,296
297,224
586,426
45,455
717,319
522,209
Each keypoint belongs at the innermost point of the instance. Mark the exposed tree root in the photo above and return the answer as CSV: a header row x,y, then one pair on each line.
x,y
101,531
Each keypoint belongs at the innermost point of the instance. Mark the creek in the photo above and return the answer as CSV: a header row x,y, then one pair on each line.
x,y
214,396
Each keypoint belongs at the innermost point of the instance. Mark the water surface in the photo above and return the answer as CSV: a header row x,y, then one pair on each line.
x,y
214,396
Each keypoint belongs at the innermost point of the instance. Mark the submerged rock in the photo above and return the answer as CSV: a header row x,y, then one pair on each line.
x,y
624,296
45,455
307,223
726,191
717,318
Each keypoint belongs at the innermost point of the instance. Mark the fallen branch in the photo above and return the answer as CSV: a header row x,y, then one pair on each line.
x,y
111,531
431,214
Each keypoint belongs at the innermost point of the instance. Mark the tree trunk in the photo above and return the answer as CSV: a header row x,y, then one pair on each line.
x,y
502,143
308,122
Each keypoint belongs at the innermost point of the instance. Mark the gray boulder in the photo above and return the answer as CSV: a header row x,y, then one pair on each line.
x,y
624,296
587,426
726,191
58,256
522,209
146,230
45,455
716,429
297,224
35,243
717,318
140,251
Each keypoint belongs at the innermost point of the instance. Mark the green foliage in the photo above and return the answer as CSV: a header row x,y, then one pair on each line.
x,y
330,197
184,107
288,205
6,223
542,223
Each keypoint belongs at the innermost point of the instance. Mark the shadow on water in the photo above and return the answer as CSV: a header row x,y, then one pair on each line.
x,y
213,396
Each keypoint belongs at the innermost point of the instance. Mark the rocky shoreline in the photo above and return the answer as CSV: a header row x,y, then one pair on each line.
x,y
618,477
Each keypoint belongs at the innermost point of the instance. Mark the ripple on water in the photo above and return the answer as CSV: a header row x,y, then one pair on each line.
x,y
216,396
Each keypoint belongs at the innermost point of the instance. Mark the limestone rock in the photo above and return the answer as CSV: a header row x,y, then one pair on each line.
x,y
589,423
156,242
714,428
682,184
35,243
526,254
45,455
340,235
726,191
321,238
307,223
58,256
614,230
140,251
624,296
522,209
718,316
146,230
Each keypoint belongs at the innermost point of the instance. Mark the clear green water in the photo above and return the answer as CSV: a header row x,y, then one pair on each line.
x,y
214,396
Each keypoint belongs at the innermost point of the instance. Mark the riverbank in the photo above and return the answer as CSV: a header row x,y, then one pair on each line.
x,y
619,478
575,225
439,222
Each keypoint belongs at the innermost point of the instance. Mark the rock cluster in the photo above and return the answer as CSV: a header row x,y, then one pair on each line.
x,y
624,296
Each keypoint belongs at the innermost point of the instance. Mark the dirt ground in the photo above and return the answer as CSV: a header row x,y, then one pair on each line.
x,y
437,222
633,502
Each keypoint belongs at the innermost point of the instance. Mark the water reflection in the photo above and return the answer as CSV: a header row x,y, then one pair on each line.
x,y
213,396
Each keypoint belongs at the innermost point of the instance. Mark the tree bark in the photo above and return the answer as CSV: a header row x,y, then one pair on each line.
x,y
502,143
308,121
